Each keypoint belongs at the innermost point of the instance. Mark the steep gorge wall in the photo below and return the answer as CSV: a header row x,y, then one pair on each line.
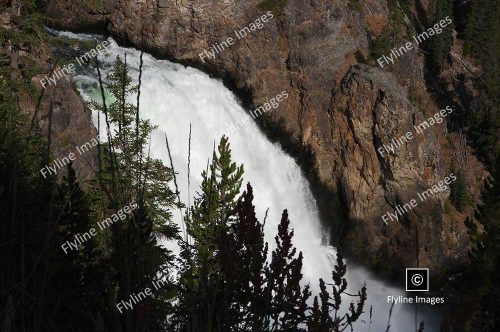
x,y
338,109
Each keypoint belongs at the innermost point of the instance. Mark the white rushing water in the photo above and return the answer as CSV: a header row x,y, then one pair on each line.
x,y
172,97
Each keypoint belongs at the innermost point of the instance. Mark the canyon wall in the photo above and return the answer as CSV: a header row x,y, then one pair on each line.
x,y
339,109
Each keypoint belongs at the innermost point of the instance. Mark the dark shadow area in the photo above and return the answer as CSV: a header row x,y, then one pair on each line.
x,y
421,14
330,204
461,10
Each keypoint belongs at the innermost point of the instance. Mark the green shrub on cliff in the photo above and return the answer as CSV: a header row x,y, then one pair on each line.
x,y
398,11
459,193
380,45
440,44
392,34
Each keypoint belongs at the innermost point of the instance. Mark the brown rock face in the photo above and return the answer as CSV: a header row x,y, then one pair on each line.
x,y
71,128
87,14
368,112
339,110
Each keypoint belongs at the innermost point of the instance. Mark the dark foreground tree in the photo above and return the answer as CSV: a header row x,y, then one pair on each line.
x,y
128,176
79,272
226,282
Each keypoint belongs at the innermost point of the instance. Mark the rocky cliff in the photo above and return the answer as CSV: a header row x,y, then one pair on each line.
x,y
57,110
340,110
64,114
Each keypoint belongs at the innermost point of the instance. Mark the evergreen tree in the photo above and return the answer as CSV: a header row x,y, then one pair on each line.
x,y
440,44
483,42
287,301
479,30
26,213
129,176
484,282
211,216
243,256
327,315
79,271
225,282
214,208
459,194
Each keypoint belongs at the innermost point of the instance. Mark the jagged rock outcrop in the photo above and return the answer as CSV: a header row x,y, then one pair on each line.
x,y
369,111
339,110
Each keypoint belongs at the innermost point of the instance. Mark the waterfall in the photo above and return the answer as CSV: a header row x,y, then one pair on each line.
x,y
173,97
